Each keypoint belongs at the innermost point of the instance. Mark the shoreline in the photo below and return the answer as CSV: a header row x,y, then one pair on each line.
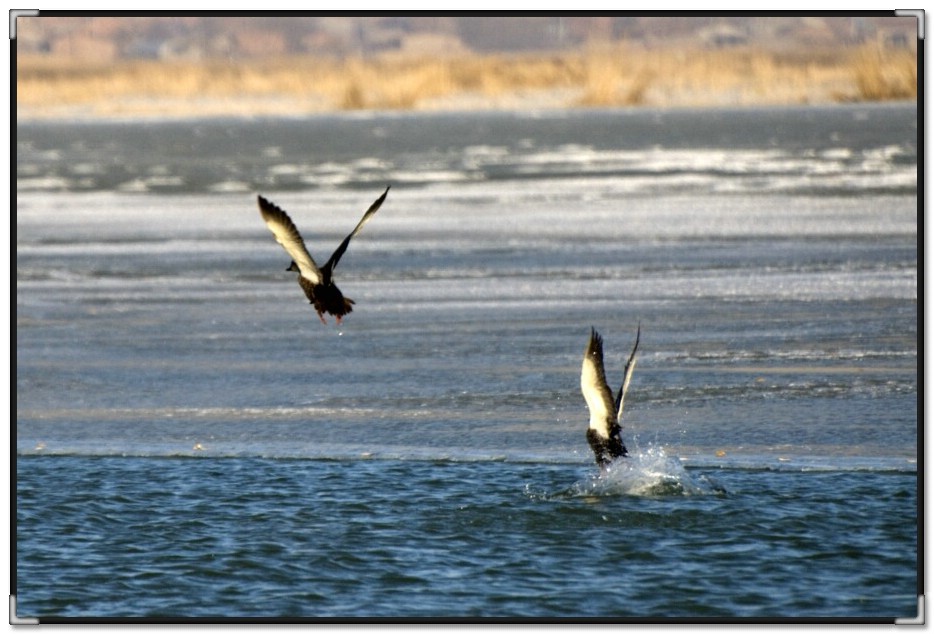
x,y
194,110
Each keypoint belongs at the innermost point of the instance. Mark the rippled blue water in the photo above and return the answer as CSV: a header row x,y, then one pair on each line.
x,y
215,537
192,442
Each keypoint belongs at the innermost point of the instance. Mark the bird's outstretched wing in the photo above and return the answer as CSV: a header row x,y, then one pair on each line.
x,y
627,375
288,236
328,267
594,386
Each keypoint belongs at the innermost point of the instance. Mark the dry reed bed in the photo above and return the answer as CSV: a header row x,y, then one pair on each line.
x,y
610,76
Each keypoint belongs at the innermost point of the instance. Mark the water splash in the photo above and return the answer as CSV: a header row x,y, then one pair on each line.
x,y
648,473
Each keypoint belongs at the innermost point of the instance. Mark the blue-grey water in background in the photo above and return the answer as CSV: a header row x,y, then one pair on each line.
x,y
192,442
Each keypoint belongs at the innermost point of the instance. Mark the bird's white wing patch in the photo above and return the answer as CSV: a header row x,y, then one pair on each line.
x,y
629,369
595,389
288,236
627,376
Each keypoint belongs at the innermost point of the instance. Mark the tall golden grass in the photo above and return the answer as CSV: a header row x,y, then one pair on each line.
x,y
882,74
606,76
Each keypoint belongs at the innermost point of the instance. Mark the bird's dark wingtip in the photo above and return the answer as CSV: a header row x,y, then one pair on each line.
x,y
595,345
264,203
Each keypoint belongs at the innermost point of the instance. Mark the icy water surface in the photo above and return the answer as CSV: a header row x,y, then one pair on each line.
x,y
192,441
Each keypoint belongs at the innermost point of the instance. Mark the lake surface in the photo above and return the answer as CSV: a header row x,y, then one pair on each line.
x,y
192,442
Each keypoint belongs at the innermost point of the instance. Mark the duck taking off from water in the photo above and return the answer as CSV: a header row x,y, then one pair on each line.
x,y
318,283
605,411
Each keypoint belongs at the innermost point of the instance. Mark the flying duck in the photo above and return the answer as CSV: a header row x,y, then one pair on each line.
x,y
605,411
318,283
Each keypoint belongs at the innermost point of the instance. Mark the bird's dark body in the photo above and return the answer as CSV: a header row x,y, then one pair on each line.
x,y
325,297
606,450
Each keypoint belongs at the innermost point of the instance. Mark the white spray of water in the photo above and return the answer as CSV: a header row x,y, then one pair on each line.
x,y
650,472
